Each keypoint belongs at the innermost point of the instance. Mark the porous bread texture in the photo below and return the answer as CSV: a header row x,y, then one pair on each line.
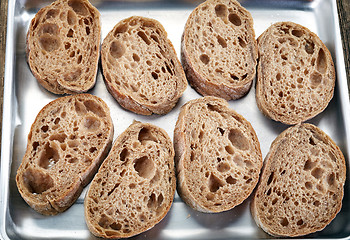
x,y
63,46
135,185
296,75
301,187
218,157
218,49
140,66
66,144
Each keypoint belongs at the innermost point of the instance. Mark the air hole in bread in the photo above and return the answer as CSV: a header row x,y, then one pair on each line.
x,y
45,128
124,154
91,123
73,76
36,181
61,137
146,135
270,178
135,57
49,156
229,149
78,7
70,33
221,10
317,173
214,183
94,107
49,43
117,49
115,226
308,185
320,188
79,108
144,37
71,17
223,167
155,75
144,167
231,180
105,221
49,28
321,62
234,77
238,139
316,79
204,58
309,47
73,160
156,178
52,13
154,203
92,149
284,222
297,32
234,19
35,145
222,131
222,41
312,141
331,179
72,54
121,29
242,42
80,58
317,203
155,38
87,30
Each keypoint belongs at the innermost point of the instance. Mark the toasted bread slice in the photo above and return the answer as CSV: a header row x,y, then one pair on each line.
x,y
63,42
296,74
135,186
218,157
301,187
218,49
140,66
66,144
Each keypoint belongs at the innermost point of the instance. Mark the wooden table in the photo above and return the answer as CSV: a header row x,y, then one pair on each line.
x,y
344,16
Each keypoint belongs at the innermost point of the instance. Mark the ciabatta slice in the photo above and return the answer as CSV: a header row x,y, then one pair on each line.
x,y
135,186
66,144
218,157
296,75
301,187
63,42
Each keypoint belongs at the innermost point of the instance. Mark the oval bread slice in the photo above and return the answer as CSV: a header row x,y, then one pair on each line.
x,y
66,144
135,186
301,187
63,46
296,75
218,157
140,66
218,49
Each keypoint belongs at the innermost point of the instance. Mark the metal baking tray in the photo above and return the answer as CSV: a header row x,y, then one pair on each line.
x,y
24,97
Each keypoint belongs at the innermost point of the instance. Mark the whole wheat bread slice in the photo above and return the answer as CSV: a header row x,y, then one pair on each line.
x,y
218,157
135,186
218,49
63,42
301,187
66,144
296,76
140,66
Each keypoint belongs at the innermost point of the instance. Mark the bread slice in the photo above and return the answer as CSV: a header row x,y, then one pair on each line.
x,y
63,43
66,144
218,157
135,186
296,75
218,49
301,187
140,66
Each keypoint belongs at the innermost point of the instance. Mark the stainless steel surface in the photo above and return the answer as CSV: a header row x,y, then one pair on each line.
x,y
23,98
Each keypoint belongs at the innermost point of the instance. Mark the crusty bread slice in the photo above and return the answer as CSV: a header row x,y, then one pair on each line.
x,y
218,49
301,187
296,76
135,186
140,66
218,157
63,42
66,144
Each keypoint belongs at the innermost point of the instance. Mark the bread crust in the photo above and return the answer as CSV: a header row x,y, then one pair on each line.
x,y
305,86
233,78
67,142
140,66
231,158
311,188
135,186
62,46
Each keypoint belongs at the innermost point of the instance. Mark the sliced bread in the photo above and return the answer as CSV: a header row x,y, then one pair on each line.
x,y
218,157
63,42
301,187
140,66
66,144
218,49
135,186
296,76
